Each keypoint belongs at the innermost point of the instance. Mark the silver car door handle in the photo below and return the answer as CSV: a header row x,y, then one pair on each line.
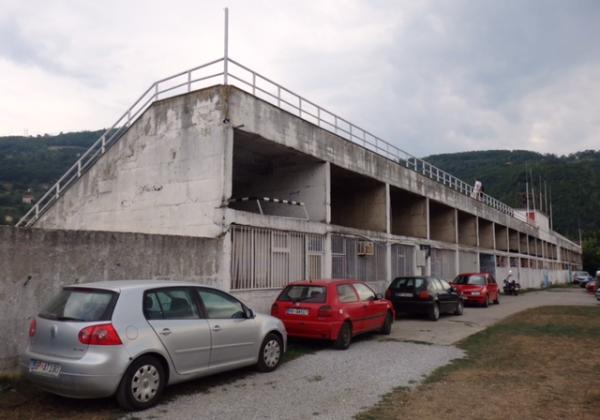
x,y
165,331
217,328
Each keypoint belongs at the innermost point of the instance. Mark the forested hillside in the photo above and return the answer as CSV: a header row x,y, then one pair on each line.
x,y
33,164
573,181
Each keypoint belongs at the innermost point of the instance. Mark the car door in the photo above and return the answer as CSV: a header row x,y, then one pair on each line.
x,y
174,316
492,287
444,298
451,296
350,304
235,337
373,313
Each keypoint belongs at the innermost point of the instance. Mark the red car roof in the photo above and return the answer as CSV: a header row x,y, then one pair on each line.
x,y
322,282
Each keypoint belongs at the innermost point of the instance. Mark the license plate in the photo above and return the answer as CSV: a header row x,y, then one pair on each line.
x,y
296,311
44,368
404,294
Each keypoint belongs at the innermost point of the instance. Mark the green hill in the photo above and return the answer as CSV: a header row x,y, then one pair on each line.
x,y
573,180
33,164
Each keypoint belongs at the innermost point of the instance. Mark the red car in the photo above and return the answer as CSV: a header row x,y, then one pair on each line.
x,y
480,288
334,310
591,286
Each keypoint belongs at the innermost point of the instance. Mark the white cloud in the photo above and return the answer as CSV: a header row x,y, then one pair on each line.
x,y
430,77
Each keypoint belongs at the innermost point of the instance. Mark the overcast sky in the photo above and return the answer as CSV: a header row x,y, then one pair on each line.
x,y
428,76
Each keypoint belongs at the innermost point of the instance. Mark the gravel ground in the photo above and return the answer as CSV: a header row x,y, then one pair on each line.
x,y
330,384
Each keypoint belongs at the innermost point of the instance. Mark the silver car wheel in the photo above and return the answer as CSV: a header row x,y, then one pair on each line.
x,y
145,382
272,353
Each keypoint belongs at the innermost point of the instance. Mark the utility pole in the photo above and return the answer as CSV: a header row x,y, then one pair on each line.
x,y
546,196
532,190
540,178
551,222
226,46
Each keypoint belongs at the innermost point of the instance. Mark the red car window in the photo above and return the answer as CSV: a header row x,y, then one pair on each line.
x,y
364,292
346,294
304,293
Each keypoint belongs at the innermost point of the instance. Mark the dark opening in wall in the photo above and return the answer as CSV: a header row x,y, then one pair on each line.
x,y
357,201
408,213
262,168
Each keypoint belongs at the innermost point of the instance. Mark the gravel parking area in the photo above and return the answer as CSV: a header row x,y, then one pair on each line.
x,y
333,384
330,384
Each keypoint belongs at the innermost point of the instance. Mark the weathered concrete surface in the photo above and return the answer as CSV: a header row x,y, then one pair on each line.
x,y
486,234
409,215
450,329
442,222
35,263
164,176
501,237
467,229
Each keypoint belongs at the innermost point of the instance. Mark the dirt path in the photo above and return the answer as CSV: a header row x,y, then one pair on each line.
x,y
450,329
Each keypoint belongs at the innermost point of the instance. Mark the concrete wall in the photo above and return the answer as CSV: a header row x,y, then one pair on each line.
x,y
409,215
501,237
467,229
357,201
35,263
264,169
524,243
165,175
486,234
442,221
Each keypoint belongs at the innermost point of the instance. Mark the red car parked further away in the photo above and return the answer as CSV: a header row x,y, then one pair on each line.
x,y
591,286
480,288
334,310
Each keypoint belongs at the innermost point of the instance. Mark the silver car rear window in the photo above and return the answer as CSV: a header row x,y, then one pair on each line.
x,y
80,304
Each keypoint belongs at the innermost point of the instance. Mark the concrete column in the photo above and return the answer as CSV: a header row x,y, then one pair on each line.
x,y
428,218
227,175
328,193
388,209
327,257
388,263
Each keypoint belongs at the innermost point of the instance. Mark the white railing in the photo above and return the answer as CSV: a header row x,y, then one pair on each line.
x,y
228,71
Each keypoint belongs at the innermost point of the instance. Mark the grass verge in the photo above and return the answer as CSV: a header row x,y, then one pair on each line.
x,y
540,363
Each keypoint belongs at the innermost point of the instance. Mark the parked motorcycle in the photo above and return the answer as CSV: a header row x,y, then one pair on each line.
x,y
511,286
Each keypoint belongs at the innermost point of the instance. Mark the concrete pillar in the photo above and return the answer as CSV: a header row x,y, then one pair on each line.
x,y
428,219
388,263
328,193
388,209
327,257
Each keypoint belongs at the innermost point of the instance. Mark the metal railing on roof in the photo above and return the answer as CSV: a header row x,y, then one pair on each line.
x,y
230,72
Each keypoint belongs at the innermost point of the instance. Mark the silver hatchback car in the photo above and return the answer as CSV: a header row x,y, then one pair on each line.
x,y
132,338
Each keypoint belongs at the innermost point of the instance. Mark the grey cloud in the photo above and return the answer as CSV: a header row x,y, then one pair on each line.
x,y
44,53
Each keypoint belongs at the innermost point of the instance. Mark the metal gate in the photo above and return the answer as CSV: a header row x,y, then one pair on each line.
x,y
467,262
348,263
487,264
266,258
403,257
443,263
